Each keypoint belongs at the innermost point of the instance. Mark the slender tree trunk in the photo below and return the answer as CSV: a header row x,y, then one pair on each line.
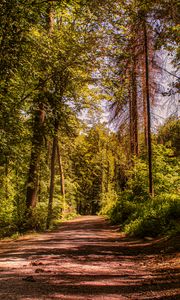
x,y
52,176
51,190
131,124
37,141
107,170
6,178
144,103
107,175
62,182
56,126
148,108
39,185
103,175
50,14
61,171
134,109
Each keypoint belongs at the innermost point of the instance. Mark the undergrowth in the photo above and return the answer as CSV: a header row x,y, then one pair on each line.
x,y
137,212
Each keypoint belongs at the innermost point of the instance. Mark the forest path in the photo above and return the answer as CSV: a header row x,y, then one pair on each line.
x,y
87,259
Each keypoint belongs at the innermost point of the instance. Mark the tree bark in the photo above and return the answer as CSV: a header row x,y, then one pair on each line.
x,y
6,178
144,103
50,16
37,139
51,190
61,171
37,142
62,183
130,123
134,110
146,58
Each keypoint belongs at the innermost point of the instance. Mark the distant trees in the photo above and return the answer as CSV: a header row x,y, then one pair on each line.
x,y
93,163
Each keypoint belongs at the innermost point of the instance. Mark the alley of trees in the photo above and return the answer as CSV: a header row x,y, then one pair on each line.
x,y
88,114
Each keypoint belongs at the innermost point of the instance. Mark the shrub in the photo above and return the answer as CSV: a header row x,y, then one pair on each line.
x,y
108,201
159,216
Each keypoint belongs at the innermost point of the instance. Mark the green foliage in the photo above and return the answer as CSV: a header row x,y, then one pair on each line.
x,y
36,220
138,180
122,211
166,174
93,163
168,134
108,203
7,226
136,211
156,217
153,217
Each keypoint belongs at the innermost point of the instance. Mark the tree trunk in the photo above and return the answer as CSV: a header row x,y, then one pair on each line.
x,y
134,110
61,172
6,178
103,175
50,16
131,124
51,189
37,141
143,79
146,58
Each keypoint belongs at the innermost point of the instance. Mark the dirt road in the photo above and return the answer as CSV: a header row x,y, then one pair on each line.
x,y
88,259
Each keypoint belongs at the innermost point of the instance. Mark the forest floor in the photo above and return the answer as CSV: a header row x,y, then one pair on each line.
x,y
89,259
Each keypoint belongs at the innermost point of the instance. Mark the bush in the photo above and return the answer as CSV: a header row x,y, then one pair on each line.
x,y
7,226
122,211
159,216
108,200
135,210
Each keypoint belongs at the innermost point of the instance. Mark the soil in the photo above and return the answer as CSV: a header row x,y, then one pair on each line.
x,y
87,258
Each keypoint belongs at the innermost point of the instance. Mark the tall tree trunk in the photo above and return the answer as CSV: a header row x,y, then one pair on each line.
x,y
131,123
51,190
107,170
37,141
61,171
39,185
52,176
6,178
55,138
103,173
134,109
143,79
146,57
